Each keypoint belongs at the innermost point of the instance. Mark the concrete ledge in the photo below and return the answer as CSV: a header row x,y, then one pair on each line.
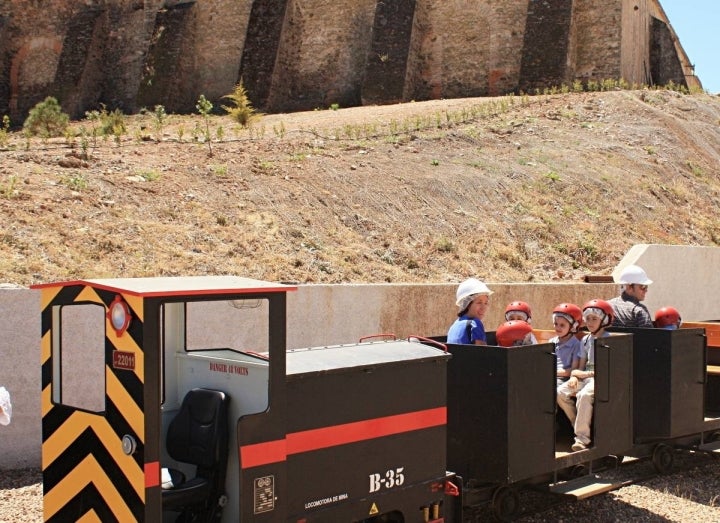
x,y
684,277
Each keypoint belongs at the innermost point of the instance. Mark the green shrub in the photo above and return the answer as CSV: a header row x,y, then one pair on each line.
x,y
76,182
8,189
4,131
111,123
46,119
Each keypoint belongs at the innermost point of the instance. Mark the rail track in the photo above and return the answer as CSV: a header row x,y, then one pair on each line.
x,y
688,474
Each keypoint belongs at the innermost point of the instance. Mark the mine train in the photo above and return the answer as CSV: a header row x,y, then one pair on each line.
x,y
174,399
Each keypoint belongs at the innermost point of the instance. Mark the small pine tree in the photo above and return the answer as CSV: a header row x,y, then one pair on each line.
x,y
160,117
205,107
241,109
4,130
46,119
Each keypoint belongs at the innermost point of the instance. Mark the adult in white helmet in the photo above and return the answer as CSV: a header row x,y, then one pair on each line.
x,y
629,311
473,300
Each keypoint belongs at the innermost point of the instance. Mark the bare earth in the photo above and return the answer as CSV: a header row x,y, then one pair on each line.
x,y
689,495
508,189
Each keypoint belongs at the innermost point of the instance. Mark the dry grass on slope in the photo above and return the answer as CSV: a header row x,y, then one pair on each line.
x,y
509,189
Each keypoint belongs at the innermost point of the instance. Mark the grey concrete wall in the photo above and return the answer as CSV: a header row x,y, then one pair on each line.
x,y
684,277
336,314
20,375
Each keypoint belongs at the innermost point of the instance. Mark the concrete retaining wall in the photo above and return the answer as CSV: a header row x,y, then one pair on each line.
x,y
333,314
684,277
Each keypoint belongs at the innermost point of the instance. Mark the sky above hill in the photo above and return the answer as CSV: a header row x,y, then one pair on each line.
x,y
697,24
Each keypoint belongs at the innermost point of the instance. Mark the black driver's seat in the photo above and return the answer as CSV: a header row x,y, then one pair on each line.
x,y
198,435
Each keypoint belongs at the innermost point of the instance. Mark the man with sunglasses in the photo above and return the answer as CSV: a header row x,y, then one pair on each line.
x,y
629,311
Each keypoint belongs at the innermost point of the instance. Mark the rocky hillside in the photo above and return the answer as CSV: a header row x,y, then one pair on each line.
x,y
507,189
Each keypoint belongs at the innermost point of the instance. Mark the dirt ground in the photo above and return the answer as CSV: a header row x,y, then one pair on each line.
x,y
507,189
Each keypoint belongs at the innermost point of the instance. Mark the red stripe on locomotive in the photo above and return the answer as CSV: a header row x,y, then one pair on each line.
x,y
315,439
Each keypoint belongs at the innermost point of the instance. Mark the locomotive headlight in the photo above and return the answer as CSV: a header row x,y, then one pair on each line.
x,y
129,445
119,315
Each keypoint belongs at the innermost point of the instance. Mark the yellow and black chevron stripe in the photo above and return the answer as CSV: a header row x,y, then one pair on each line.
x,y
86,475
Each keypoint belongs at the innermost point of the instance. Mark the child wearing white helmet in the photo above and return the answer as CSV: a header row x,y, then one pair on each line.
x,y
628,311
473,299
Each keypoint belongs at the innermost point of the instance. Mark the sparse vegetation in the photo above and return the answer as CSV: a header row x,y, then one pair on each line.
x,y
104,123
8,189
149,175
445,245
219,170
510,188
552,176
76,181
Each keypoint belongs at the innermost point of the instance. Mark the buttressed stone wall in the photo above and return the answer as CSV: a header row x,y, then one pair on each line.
x,y
305,54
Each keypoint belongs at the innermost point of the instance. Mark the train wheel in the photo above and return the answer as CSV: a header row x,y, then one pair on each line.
x,y
187,516
608,462
578,471
505,503
663,458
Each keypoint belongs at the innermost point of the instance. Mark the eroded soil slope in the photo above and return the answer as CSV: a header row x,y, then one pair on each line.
x,y
506,189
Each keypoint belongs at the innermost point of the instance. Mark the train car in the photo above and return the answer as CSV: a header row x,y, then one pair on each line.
x,y
504,430
675,394
656,392
174,399
712,367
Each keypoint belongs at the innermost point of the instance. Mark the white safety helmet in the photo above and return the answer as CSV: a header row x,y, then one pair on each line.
x,y
632,274
470,287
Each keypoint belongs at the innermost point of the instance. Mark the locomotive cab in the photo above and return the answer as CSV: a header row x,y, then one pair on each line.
x,y
119,356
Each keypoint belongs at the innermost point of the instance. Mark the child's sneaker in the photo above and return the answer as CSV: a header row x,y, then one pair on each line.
x,y
578,446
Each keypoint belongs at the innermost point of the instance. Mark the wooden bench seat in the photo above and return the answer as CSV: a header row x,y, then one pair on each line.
x,y
544,335
712,332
